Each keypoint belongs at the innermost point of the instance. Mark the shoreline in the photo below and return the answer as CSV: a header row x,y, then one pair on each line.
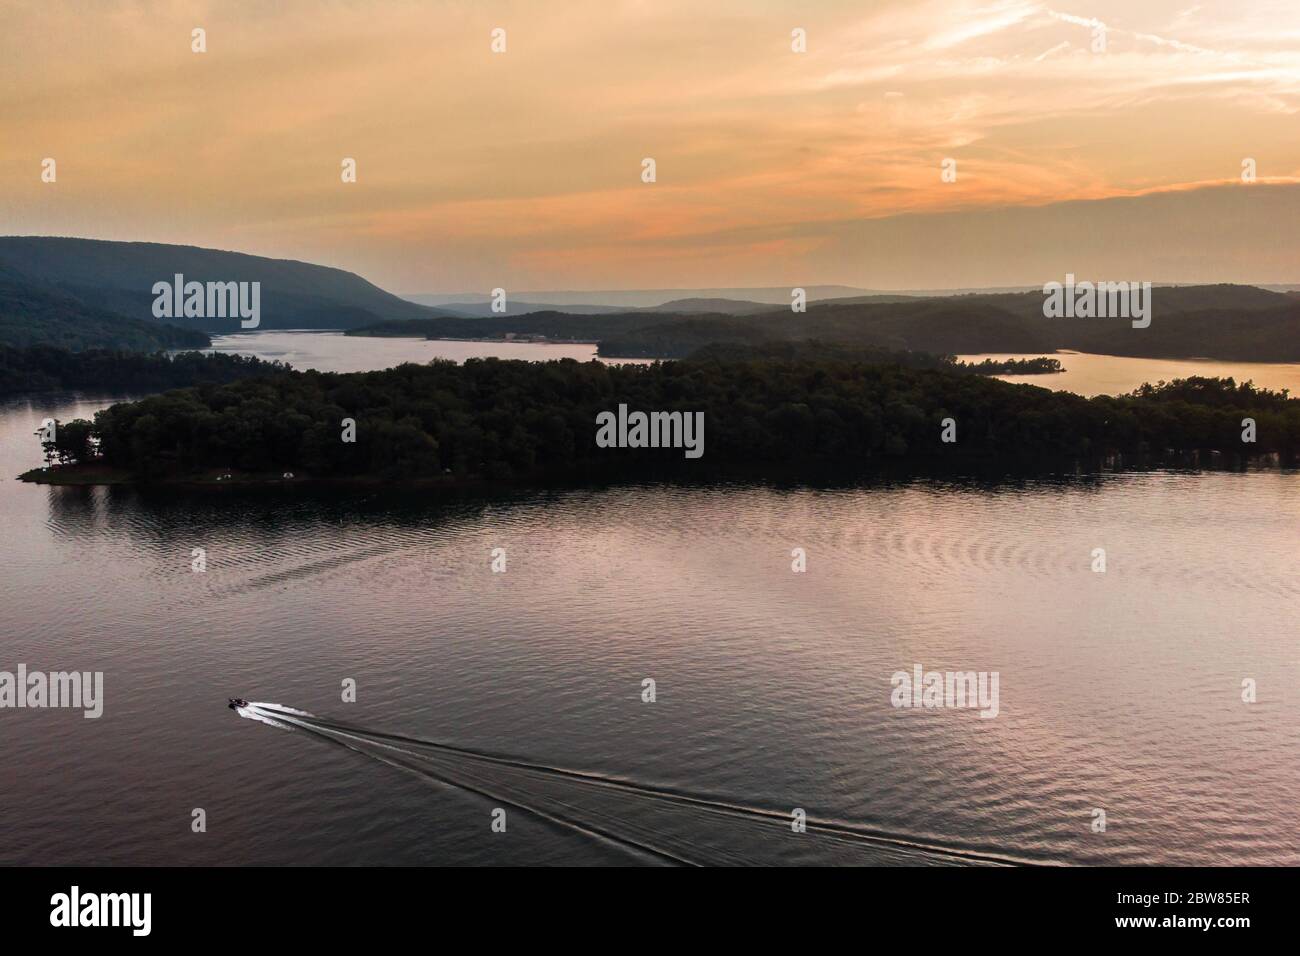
x,y
93,476
995,469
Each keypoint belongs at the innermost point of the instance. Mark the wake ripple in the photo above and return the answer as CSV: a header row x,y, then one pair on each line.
x,y
557,795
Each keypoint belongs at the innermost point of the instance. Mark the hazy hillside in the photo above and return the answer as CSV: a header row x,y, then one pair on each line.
x,y
1217,321
553,325
716,306
931,325
30,316
525,306
940,326
877,299
1259,335
483,309
1168,299
119,277
611,300
84,293
1220,321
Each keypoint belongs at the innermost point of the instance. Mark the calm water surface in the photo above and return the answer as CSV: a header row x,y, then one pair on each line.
x,y
1089,375
336,352
1118,691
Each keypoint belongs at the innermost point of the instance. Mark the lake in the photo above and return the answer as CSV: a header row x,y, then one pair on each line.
x,y
336,352
522,690
1091,375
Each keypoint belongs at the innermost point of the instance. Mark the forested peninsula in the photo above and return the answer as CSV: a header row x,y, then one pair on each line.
x,y
800,418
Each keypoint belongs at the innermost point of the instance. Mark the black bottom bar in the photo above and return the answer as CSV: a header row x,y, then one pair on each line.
x,y
262,906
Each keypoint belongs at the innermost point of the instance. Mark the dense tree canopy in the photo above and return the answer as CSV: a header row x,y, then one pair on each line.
x,y
35,315
42,368
497,419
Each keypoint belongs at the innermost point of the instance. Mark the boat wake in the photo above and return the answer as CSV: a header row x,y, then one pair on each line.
x,y
653,823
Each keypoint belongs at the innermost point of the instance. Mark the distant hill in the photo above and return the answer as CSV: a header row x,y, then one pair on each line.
x,y
611,300
1229,322
86,293
939,326
30,315
525,307
1168,299
1228,334
716,306
483,310
119,277
881,298
549,323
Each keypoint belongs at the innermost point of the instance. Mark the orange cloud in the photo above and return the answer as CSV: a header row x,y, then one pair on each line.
x,y
479,169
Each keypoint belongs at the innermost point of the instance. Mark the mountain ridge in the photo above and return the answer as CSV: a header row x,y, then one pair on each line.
x,y
119,276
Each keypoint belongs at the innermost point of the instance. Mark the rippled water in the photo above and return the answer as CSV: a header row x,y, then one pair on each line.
x,y
1118,691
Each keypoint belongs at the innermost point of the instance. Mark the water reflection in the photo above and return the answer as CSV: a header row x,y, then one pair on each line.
x,y
1119,690
1089,375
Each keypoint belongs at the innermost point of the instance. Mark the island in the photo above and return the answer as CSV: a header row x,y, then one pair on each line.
x,y
800,418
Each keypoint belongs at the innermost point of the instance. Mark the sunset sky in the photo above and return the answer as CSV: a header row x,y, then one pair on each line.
x,y
523,169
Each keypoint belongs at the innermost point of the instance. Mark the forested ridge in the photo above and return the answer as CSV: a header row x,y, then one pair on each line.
x,y
116,279
496,419
815,350
1227,322
33,315
42,368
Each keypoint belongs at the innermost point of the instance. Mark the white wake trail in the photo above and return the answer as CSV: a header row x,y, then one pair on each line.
x,y
264,713
281,708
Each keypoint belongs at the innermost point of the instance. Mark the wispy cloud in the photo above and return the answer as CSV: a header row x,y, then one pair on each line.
x,y
478,170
